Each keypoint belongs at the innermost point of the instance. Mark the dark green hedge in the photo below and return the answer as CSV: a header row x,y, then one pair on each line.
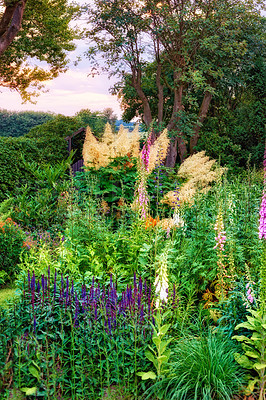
x,y
13,174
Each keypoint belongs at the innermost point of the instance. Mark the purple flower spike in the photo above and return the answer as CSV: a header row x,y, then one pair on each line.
x,y
33,282
34,324
140,285
38,287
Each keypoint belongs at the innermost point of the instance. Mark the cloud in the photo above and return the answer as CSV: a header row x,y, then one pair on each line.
x,y
67,94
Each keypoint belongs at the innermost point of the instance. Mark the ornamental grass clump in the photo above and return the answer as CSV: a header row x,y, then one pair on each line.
x,y
66,340
198,171
201,368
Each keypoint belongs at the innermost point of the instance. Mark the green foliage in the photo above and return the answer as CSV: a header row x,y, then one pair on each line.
x,y
13,174
254,347
111,183
161,354
235,128
96,120
75,348
19,123
46,205
11,247
47,36
200,368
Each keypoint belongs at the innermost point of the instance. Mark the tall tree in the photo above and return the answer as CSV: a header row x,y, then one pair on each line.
x,y
192,43
37,30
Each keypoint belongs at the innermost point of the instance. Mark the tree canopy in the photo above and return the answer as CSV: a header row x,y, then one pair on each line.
x,y
38,30
192,46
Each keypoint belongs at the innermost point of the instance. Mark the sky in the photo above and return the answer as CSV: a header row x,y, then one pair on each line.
x,y
68,93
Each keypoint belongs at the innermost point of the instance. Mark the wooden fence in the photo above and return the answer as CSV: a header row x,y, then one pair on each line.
x,y
77,166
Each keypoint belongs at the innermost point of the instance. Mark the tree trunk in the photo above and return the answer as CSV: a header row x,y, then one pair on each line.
x,y
176,147
160,93
136,83
171,154
201,117
10,24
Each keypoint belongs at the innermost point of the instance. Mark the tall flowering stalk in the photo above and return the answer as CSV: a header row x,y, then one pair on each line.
x,y
141,202
262,235
151,155
161,280
220,239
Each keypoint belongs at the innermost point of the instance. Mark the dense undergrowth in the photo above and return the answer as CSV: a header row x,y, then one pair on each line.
x,y
87,320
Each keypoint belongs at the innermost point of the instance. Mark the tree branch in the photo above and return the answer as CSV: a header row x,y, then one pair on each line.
x,y
10,24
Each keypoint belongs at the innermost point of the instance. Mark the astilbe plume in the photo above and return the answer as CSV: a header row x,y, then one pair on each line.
x,y
99,153
199,171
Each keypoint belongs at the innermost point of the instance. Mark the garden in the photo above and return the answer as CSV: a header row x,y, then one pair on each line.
x,y
133,280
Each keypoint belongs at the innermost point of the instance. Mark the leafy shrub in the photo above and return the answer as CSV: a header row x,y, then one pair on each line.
x,y
13,173
11,246
46,206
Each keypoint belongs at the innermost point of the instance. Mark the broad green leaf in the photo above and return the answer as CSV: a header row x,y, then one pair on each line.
x,y
252,354
147,375
240,338
150,356
246,325
259,365
251,385
243,361
164,344
164,329
156,340
251,320
29,391
33,370
162,358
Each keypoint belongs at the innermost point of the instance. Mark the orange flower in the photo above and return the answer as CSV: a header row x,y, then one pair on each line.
x,y
151,222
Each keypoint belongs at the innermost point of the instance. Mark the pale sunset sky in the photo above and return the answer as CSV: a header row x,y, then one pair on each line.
x,y
70,92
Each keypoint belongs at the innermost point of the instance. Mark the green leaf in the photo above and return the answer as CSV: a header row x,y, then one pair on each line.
x,y
164,329
252,354
156,340
33,370
259,365
251,385
162,358
240,338
164,344
150,356
147,375
246,325
243,361
29,391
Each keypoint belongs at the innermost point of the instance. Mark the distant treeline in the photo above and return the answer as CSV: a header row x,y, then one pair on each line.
x,y
15,124
20,123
